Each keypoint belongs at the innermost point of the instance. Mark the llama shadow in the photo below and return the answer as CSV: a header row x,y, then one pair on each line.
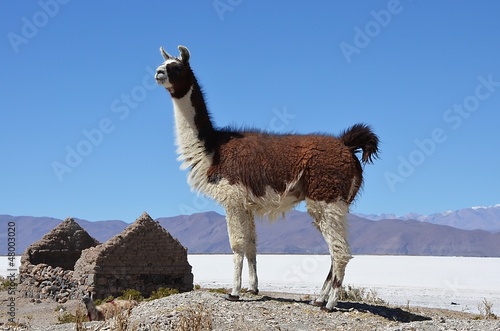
x,y
393,314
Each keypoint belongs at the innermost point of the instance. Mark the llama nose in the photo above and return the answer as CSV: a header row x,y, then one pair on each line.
x,y
160,74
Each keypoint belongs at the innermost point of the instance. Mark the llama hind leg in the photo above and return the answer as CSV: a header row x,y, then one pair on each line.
x,y
335,234
325,290
237,227
331,220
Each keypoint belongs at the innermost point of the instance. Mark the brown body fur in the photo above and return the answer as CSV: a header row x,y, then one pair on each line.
x,y
322,166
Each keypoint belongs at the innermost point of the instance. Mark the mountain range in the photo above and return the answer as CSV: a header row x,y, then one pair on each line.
x,y
466,232
474,218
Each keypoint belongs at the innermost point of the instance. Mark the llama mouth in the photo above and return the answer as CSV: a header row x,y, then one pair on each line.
x,y
161,78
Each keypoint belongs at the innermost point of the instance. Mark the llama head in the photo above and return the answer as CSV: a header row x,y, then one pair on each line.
x,y
87,297
175,73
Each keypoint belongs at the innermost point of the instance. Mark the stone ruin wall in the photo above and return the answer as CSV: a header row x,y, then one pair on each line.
x,y
43,281
143,257
46,270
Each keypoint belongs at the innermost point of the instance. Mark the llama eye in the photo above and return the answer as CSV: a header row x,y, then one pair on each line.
x,y
173,70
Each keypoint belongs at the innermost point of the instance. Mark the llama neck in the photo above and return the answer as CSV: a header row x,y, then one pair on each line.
x,y
93,313
194,130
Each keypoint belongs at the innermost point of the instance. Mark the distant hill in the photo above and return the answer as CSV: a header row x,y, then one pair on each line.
x,y
474,218
31,229
410,237
207,233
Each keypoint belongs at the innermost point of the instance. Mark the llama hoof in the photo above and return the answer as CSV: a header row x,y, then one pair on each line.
x,y
231,297
254,292
317,303
327,310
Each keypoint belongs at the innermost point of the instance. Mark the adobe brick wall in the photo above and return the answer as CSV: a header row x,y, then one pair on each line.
x,y
67,262
46,270
61,247
143,257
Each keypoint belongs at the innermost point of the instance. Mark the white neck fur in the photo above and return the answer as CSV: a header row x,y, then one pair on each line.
x,y
191,149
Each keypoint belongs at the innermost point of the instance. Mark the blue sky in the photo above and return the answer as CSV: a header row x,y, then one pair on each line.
x,y
85,132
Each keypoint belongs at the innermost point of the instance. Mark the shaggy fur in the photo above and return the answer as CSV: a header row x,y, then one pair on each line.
x,y
258,173
107,309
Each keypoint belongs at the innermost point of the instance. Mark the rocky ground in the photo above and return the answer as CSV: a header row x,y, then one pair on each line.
x,y
205,310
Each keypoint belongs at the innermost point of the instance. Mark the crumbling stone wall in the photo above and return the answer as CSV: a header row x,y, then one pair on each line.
x,y
43,281
61,247
68,262
143,257
46,270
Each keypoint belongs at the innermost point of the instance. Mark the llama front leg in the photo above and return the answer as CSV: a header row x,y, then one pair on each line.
x,y
238,228
238,267
251,254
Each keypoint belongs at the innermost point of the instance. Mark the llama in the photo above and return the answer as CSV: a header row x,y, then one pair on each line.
x,y
107,309
255,173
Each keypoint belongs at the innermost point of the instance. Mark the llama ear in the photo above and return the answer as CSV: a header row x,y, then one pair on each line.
x,y
184,53
165,55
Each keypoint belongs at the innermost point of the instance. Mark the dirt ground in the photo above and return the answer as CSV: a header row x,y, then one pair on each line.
x,y
31,312
293,309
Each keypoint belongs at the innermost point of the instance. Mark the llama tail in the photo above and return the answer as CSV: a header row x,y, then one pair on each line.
x,y
361,137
